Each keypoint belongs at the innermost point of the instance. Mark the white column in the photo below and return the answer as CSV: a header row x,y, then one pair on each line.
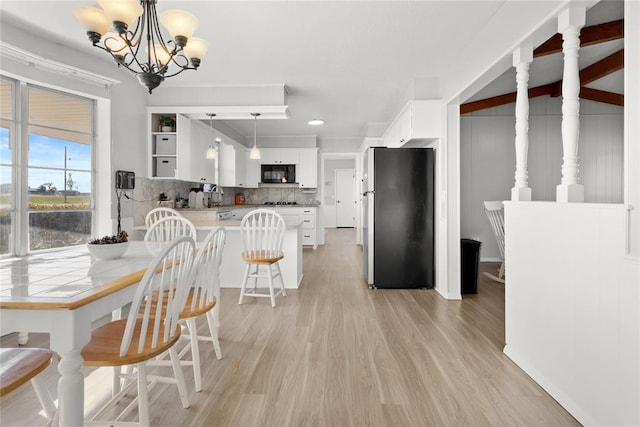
x,y
569,23
522,57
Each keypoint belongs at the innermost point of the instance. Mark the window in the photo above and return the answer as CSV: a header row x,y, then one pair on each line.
x,y
57,149
7,119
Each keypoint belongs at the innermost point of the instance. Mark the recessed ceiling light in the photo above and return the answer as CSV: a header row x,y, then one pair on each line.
x,y
316,122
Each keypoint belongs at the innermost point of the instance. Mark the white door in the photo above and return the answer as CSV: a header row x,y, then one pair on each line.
x,y
345,192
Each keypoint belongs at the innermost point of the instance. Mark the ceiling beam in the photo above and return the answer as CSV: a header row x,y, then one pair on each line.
x,y
593,72
604,67
602,96
508,98
589,36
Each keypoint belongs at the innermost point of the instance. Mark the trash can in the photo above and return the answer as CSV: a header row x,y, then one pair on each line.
x,y
469,260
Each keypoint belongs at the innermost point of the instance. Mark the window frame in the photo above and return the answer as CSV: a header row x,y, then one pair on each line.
x,y
19,243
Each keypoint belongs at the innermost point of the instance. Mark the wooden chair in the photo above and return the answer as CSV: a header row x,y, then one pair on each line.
x,y
203,299
170,228
262,233
157,214
495,213
19,365
160,296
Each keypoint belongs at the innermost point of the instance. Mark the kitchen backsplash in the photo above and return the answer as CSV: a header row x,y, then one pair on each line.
x,y
259,196
146,195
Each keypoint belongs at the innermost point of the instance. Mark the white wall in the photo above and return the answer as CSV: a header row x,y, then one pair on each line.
x,y
573,307
487,159
573,295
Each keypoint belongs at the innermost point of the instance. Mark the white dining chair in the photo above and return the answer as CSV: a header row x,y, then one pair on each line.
x,y
21,365
160,297
262,234
203,299
158,214
170,228
495,213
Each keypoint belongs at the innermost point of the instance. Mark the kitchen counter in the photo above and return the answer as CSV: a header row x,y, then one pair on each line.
x,y
231,207
232,267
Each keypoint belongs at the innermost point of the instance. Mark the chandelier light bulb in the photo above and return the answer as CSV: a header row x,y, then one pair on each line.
x,y
196,48
93,19
122,11
180,25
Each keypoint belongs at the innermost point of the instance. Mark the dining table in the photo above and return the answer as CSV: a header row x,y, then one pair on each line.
x,y
62,293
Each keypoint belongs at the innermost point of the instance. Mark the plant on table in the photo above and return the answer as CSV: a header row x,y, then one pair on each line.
x,y
121,237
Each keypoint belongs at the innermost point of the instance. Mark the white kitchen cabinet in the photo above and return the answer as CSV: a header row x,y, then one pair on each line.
x,y
418,120
308,216
252,170
180,154
194,139
278,156
307,168
232,160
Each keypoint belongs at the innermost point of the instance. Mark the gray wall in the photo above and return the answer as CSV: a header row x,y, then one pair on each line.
x,y
487,159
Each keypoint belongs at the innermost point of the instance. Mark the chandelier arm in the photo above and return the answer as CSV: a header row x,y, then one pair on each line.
x,y
134,43
179,71
150,11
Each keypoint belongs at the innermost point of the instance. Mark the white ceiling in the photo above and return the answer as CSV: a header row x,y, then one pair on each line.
x,y
347,62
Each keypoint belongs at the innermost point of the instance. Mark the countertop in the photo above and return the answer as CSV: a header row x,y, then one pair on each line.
x,y
230,207
229,224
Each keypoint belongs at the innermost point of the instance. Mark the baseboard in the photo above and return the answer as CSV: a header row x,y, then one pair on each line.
x,y
576,410
490,259
448,295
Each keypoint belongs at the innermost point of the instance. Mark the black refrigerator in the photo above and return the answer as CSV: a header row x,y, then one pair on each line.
x,y
398,231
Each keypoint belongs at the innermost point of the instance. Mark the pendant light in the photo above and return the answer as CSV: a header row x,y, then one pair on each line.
x,y
212,154
255,153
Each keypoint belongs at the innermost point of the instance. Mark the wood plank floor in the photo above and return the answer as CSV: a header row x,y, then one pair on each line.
x,y
335,353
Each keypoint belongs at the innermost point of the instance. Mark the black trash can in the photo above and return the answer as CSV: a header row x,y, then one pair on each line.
x,y
469,260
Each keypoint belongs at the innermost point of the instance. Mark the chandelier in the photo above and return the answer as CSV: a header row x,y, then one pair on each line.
x,y
159,59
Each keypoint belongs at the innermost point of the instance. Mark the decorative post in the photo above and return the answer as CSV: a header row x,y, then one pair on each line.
x,y
522,57
569,23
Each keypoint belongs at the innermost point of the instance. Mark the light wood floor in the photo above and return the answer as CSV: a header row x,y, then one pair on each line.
x,y
335,353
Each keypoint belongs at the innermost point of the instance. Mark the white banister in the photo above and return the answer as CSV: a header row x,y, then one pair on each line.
x,y
522,57
569,23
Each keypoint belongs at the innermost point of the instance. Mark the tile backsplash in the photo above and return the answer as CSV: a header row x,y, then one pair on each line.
x,y
146,195
259,196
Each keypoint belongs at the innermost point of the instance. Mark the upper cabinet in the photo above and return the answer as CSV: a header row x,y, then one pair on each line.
x,y
305,159
307,168
233,164
278,156
252,170
178,151
193,144
418,120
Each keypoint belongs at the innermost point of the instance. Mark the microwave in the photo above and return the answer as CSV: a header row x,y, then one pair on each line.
x,y
278,174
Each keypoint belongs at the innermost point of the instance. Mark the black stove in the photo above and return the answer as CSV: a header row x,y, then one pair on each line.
x,y
280,203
